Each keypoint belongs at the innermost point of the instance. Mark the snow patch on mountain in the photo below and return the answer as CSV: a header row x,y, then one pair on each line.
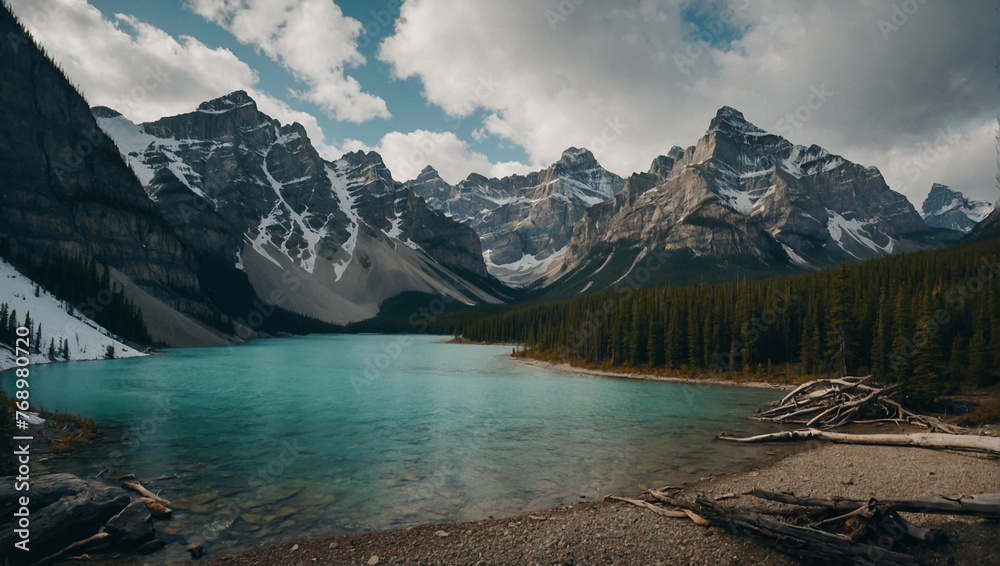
x,y
840,227
340,186
133,142
527,270
87,339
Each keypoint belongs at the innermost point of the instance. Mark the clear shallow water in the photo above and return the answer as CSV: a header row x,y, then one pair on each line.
x,y
323,435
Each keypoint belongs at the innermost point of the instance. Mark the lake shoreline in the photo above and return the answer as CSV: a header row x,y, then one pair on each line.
x,y
568,368
606,531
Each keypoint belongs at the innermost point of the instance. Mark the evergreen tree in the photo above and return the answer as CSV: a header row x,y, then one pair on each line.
x,y
881,337
958,360
12,326
838,321
978,358
811,353
924,385
52,349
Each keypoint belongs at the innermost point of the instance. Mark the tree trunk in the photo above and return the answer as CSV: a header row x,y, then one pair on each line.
x,y
988,444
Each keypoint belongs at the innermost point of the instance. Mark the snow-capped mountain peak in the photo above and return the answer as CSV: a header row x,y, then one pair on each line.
x,y
743,196
947,208
524,221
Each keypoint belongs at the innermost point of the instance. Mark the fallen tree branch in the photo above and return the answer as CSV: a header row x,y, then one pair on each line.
x,y
808,543
80,545
988,444
983,505
647,505
137,487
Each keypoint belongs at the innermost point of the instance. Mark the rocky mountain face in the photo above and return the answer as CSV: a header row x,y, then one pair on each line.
x,y
950,209
742,199
987,230
524,221
332,240
66,193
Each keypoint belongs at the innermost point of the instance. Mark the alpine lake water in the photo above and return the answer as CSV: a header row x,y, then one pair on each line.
x,y
323,435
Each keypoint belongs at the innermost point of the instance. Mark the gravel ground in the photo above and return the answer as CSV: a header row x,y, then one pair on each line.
x,y
610,532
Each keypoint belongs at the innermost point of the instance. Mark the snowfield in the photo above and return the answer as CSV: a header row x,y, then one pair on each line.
x,y
87,340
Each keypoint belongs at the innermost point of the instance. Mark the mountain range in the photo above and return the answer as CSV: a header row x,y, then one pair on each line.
x,y
222,223
743,201
331,239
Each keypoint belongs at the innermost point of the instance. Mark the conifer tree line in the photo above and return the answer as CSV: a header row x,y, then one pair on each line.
x,y
9,323
929,320
86,287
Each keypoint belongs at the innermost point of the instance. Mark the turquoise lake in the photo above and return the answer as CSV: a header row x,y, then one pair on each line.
x,y
322,435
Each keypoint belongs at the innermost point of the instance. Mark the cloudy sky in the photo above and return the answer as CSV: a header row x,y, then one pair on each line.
x,y
499,87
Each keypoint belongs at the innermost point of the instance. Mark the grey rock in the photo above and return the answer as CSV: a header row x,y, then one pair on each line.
x,y
151,546
64,509
133,526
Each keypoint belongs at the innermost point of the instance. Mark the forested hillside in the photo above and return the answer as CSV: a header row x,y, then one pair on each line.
x,y
930,320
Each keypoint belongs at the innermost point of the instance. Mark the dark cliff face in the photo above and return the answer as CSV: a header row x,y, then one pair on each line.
x,y
395,208
64,187
988,230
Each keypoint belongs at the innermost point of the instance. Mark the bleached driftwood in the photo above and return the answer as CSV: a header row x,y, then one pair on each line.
x,y
988,444
830,403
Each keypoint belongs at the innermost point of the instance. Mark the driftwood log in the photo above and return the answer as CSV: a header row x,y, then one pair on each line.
x,y
984,505
829,531
138,488
156,509
831,403
814,544
988,444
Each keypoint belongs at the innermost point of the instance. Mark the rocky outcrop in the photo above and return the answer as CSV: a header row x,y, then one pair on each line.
x,y
950,209
986,231
524,221
63,509
748,199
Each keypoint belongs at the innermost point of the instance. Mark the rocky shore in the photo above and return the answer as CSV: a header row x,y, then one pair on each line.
x,y
611,532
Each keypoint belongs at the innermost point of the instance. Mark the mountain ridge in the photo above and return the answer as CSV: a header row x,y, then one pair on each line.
x,y
747,199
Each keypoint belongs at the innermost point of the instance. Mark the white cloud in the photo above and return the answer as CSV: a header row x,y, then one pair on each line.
x,y
406,154
311,38
559,80
142,71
